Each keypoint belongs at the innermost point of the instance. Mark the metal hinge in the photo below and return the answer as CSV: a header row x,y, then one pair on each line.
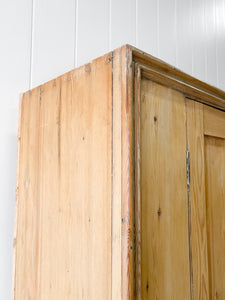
x,y
188,167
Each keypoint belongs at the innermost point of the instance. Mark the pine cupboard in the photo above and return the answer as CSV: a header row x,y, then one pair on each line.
x,y
121,184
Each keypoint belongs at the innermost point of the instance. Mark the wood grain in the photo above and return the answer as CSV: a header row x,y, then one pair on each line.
x,y
128,249
26,263
215,207
197,217
104,211
137,202
164,209
63,248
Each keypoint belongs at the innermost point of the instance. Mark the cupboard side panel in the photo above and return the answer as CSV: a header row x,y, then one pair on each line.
x,y
198,230
63,246
164,210
26,241
16,202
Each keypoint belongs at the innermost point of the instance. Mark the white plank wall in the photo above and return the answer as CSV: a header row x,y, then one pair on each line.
x,y
211,43
184,35
123,22
15,42
92,28
199,38
53,39
147,29
41,39
167,29
220,42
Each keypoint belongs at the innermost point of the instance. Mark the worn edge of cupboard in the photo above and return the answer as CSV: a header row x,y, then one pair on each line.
x,y
116,174
128,232
137,205
17,200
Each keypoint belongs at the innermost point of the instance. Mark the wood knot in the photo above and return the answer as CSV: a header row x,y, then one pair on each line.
x,y
155,119
159,212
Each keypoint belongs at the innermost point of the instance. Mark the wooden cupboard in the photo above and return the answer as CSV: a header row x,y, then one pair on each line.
x,y
121,184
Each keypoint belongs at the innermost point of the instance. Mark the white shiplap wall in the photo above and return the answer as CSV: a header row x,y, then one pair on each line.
x,y
41,39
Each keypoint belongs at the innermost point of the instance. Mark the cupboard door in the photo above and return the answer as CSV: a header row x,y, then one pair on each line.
x,y
163,194
206,142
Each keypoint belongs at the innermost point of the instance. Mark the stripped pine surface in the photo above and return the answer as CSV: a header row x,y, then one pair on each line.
x,y
104,207
197,217
215,195
164,209
63,240
214,149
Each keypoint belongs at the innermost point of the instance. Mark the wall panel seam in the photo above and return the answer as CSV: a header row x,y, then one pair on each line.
x,y
192,54
110,24
136,23
157,13
75,32
205,30
75,35
176,36
31,43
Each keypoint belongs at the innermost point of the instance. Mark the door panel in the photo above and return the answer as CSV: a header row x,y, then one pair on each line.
x,y
182,227
215,208
164,207
206,142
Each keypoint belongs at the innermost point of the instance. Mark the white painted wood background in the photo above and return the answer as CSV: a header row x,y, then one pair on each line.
x,y
42,39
